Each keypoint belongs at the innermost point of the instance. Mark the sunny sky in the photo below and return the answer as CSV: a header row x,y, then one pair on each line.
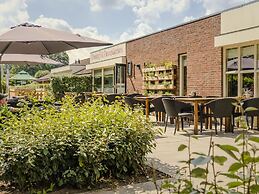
x,y
108,20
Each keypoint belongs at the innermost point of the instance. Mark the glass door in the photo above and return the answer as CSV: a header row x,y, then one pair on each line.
x,y
120,78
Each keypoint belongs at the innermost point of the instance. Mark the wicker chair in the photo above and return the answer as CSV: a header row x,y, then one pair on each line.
x,y
174,108
251,103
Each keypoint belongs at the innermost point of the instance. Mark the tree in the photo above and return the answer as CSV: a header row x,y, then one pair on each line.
x,y
33,69
41,73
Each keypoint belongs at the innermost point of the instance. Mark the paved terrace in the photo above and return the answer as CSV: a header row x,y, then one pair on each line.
x,y
165,156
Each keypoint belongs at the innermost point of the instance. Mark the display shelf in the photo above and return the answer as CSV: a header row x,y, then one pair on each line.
x,y
160,79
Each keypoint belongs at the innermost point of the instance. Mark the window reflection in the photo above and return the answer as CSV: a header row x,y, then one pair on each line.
x,y
248,84
232,59
232,81
247,58
98,80
108,80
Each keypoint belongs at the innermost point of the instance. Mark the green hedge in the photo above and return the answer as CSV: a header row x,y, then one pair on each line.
x,y
60,85
77,145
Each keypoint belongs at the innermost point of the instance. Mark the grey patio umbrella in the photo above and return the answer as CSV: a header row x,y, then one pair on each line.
x,y
27,59
33,39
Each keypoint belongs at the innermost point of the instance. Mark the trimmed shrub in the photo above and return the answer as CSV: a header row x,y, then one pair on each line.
x,y
70,84
75,145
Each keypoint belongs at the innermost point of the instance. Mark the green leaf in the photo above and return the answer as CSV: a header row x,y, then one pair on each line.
x,y
199,172
229,150
182,147
201,160
220,160
230,175
241,136
254,189
228,147
235,167
254,139
234,184
198,153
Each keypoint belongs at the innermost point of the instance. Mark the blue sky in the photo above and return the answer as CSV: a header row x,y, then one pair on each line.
x,y
109,20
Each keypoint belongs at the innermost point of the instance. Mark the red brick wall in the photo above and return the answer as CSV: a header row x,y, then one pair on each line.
x,y
204,71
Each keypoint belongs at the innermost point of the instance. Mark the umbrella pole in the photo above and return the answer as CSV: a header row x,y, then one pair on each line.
x,y
1,72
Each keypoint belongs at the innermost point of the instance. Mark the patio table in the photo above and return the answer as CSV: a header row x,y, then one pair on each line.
x,y
147,100
196,102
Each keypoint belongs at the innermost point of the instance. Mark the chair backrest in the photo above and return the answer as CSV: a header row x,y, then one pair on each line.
x,y
173,107
253,103
134,95
130,101
223,107
158,104
113,97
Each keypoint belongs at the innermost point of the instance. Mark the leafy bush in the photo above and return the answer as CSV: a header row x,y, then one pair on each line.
x,y
70,84
76,145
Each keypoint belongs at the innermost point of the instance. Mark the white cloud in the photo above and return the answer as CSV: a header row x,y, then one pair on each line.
x,y
141,30
188,18
12,12
88,31
145,10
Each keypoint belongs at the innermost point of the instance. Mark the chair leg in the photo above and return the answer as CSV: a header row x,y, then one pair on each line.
x,y
221,123
252,122
156,116
233,122
182,122
216,122
176,125
166,120
247,122
201,119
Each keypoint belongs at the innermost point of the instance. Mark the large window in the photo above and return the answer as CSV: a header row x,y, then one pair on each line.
x,y
232,82
242,75
247,58
232,59
108,81
98,80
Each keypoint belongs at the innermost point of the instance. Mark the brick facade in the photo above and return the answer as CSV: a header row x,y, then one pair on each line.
x,y
204,71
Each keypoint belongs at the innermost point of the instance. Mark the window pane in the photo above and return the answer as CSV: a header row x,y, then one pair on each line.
x,y
247,58
108,80
232,81
248,84
232,59
98,80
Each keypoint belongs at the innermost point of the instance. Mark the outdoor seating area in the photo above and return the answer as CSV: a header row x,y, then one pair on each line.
x,y
176,109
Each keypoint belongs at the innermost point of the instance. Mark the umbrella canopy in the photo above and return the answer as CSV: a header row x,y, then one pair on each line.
x,y
27,59
23,76
33,39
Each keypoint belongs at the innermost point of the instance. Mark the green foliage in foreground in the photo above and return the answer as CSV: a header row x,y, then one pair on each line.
x,y
77,145
200,174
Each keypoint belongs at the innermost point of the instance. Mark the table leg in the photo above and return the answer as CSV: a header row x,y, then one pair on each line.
x,y
196,117
147,108
257,122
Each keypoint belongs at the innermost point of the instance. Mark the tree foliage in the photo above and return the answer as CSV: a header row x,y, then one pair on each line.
x,y
33,69
41,73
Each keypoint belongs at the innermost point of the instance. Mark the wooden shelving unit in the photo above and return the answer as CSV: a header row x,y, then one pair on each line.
x,y
160,80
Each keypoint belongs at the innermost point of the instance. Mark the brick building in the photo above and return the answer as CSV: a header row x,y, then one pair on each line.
x,y
217,55
194,40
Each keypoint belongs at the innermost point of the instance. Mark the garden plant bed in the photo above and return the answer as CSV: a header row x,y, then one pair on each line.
x,y
148,174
